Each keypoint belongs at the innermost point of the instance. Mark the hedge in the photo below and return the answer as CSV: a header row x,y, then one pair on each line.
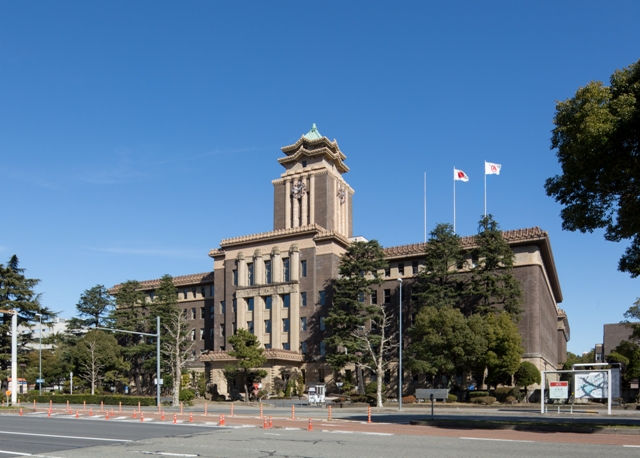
x,y
93,399
478,394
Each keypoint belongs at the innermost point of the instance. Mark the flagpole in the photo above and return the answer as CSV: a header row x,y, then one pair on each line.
x,y
425,207
485,189
454,199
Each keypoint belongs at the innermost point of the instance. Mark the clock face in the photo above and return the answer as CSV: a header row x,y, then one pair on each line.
x,y
298,190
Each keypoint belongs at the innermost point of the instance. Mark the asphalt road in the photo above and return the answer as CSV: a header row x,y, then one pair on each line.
x,y
69,438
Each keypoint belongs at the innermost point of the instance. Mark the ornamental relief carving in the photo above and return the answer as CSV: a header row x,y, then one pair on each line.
x,y
298,190
342,194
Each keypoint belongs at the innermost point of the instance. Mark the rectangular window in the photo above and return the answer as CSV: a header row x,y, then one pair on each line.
x,y
201,333
267,302
267,326
267,346
223,307
221,329
322,325
202,313
184,293
193,334
193,313
414,267
322,298
387,272
303,348
401,268
210,333
250,326
235,305
360,296
304,164
250,304
202,291
387,296
152,296
374,297
250,272
212,311
286,346
267,271
235,277
303,323
387,376
285,325
303,299
211,290
303,268
286,300
285,266
323,351
194,291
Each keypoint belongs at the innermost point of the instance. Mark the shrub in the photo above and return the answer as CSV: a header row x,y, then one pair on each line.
x,y
372,389
411,399
510,400
94,399
452,398
187,395
478,394
360,398
485,400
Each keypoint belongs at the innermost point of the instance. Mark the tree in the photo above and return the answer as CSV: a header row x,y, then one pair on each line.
x,y
527,374
440,284
177,348
627,353
132,314
17,293
247,350
356,326
95,308
598,144
504,348
493,285
633,314
445,342
95,354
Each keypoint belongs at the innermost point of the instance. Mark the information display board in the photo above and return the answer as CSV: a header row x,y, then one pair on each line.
x,y
591,385
558,390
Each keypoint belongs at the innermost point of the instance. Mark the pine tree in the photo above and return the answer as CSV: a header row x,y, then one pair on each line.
x,y
504,348
493,284
17,293
250,356
356,326
440,284
94,308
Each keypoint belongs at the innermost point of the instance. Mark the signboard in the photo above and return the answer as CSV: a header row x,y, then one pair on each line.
x,y
39,380
558,390
437,393
591,385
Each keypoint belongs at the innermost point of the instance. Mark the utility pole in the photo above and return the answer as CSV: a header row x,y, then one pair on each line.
x,y
14,355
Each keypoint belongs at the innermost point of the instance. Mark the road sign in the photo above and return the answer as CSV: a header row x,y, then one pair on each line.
x,y
39,380
155,381
558,390
8,393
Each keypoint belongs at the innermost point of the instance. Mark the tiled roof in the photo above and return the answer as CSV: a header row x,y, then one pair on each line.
x,y
468,242
280,233
205,277
313,134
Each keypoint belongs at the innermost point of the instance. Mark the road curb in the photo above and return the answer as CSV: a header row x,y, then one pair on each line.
x,y
584,429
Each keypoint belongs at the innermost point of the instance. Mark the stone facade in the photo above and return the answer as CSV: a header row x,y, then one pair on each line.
x,y
278,284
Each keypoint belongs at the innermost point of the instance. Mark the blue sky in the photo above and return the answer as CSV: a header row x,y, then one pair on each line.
x,y
134,136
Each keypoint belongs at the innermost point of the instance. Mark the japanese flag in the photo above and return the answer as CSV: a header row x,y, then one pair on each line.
x,y
460,175
491,169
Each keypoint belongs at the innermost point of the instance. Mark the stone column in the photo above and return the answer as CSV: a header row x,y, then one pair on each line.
x,y
310,191
242,269
294,320
276,265
258,318
303,204
294,263
287,204
258,268
276,321
241,313
296,211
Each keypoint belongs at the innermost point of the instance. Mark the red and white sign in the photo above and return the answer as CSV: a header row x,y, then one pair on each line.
x,y
558,390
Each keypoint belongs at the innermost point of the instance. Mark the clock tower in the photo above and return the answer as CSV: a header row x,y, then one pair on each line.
x,y
312,191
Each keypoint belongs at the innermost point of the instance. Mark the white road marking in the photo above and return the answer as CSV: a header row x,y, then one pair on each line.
x,y
15,453
489,439
379,434
162,453
634,446
65,437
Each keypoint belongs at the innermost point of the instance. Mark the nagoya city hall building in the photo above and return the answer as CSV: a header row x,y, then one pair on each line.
x,y
277,284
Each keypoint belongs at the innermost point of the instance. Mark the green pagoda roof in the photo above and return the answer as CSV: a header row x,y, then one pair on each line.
x,y
313,134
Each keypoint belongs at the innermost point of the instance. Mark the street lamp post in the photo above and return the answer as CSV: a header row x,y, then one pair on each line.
x,y
400,350
39,315
14,355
